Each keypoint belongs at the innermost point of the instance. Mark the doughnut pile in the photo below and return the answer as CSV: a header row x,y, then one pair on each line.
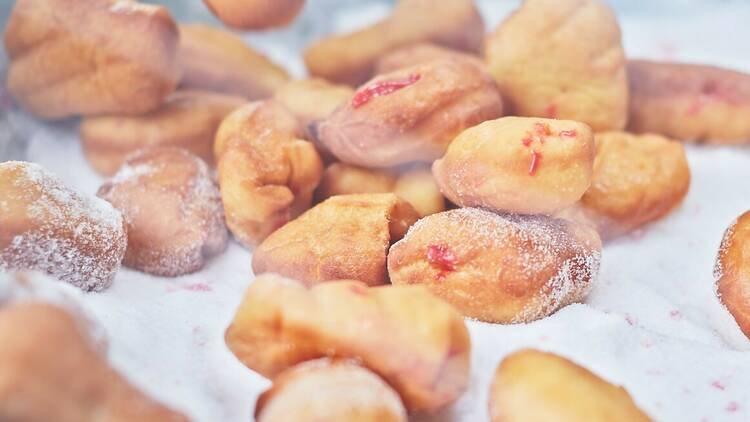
x,y
424,172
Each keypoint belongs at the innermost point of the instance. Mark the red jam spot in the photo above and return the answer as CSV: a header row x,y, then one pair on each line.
x,y
732,406
536,159
379,89
551,111
527,141
198,287
542,129
569,133
441,257
675,314
358,290
718,385
631,319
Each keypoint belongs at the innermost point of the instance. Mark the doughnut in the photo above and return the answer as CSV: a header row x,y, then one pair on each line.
x,y
267,174
255,14
188,119
518,164
329,390
417,343
87,57
411,114
637,179
172,208
732,272
418,188
690,102
345,237
535,386
419,53
345,179
562,59
217,60
48,227
498,268
351,58
50,370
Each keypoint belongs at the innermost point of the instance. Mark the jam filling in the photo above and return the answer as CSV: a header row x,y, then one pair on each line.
x,y
379,89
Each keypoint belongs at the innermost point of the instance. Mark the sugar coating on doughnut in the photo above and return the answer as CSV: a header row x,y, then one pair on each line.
x,y
49,227
498,268
732,272
172,208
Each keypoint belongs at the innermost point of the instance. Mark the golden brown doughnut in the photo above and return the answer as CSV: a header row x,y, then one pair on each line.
x,y
255,14
188,119
50,370
689,102
345,179
562,59
351,58
46,226
637,179
217,60
411,114
344,237
416,342
534,386
419,53
498,268
732,272
518,164
173,211
84,57
417,186
267,174
332,391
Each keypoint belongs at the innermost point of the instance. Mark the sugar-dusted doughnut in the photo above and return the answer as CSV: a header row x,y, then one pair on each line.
x,y
546,68
51,370
332,390
46,226
87,57
637,179
416,342
255,14
173,211
689,102
418,53
411,114
498,268
534,386
518,164
344,237
267,173
732,272
187,119
217,60
351,58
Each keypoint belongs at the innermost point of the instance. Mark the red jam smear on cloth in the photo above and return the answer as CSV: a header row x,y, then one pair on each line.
x,y
443,258
379,89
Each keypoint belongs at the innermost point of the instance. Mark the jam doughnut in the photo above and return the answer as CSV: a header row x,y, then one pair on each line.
x,y
217,60
732,272
703,104
417,343
637,179
518,164
344,237
546,68
188,119
498,268
255,14
172,208
534,386
351,58
418,187
419,53
267,174
87,57
411,114
345,179
329,390
51,370
46,226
